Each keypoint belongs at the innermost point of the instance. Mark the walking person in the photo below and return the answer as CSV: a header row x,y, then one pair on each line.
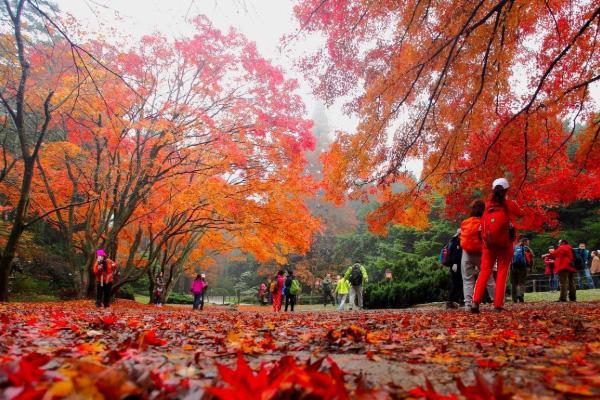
x,y
498,236
550,270
104,269
581,261
327,289
197,291
336,294
204,291
159,287
356,275
563,260
451,257
522,263
342,289
470,262
277,292
262,290
271,287
291,289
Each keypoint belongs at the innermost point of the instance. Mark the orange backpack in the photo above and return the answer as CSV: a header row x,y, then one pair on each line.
x,y
470,239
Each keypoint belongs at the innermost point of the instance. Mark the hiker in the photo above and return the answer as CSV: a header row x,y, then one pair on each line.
x,y
595,263
204,291
563,261
342,289
277,290
104,269
262,290
470,262
159,287
356,275
522,263
197,290
327,288
271,287
336,294
451,257
581,262
291,290
550,270
498,236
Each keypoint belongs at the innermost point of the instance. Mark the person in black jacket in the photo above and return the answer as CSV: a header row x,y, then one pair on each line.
x,y
290,299
455,292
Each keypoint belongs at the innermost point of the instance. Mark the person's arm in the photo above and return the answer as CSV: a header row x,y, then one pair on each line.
x,y
514,209
348,272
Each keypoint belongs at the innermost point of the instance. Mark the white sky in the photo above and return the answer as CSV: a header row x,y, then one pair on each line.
x,y
262,21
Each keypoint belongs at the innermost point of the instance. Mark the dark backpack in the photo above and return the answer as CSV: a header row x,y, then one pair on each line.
x,y
452,252
578,261
519,259
356,276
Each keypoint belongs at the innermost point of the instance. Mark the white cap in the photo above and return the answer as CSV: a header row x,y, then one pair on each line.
x,y
203,276
501,182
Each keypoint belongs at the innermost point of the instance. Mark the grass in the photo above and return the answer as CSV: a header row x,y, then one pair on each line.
x,y
32,298
142,298
582,295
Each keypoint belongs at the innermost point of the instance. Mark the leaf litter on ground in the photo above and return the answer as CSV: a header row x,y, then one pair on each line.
x,y
73,350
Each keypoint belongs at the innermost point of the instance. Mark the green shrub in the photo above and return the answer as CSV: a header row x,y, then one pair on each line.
x,y
180,298
125,292
399,294
27,284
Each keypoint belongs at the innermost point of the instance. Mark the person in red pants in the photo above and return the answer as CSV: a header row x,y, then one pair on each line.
x,y
498,237
278,293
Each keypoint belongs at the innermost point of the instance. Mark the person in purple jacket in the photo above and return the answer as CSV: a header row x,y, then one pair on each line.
x,y
197,289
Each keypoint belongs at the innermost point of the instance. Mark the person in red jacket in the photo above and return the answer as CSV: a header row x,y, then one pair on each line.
x,y
104,269
278,293
498,237
563,265
549,270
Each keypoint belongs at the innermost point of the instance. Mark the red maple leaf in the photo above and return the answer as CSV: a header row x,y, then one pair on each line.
x,y
484,390
430,393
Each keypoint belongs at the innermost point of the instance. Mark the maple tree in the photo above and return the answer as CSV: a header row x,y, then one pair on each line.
x,y
41,77
476,90
174,150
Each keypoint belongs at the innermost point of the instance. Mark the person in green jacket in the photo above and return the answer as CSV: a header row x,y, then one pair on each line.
x,y
341,289
356,275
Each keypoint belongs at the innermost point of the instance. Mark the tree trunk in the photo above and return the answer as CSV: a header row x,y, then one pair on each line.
x,y
91,279
150,284
17,229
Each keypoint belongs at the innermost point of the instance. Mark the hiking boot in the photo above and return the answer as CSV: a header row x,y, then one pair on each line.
x,y
499,309
475,309
522,299
451,305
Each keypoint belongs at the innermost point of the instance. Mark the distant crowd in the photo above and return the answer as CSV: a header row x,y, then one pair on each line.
x,y
282,291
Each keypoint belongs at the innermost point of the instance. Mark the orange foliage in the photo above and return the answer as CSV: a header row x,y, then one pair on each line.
x,y
195,148
476,90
